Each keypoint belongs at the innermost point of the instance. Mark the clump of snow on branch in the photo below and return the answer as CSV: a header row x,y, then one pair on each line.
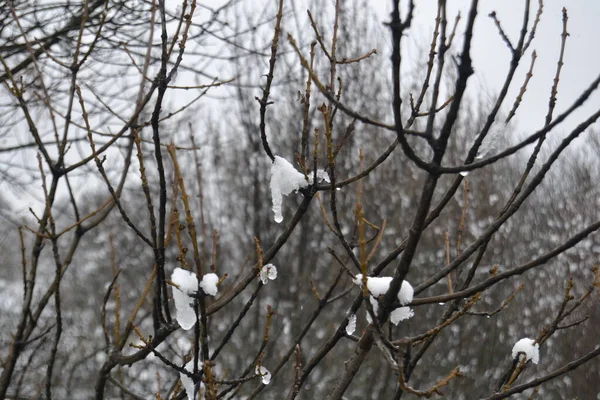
x,y
285,179
267,272
378,286
187,382
209,284
351,327
322,175
400,314
264,374
375,306
187,284
406,293
527,346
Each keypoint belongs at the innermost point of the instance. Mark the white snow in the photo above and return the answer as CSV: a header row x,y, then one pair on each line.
x,y
209,284
322,175
351,327
406,293
379,285
375,306
527,346
400,314
187,382
284,180
188,284
264,374
267,272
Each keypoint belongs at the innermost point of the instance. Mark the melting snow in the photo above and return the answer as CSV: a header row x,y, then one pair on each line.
x,y
322,175
187,382
264,374
267,272
351,327
284,180
188,284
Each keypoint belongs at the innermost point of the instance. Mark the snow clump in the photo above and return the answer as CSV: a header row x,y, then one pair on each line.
x,y
351,327
188,383
322,175
378,286
400,314
187,283
209,284
527,346
267,272
264,374
285,179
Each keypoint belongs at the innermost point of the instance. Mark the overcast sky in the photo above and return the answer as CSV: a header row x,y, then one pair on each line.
x,y
491,56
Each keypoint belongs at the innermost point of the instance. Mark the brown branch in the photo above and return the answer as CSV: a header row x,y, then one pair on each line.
x,y
455,373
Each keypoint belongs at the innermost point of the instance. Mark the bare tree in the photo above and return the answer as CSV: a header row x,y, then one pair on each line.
x,y
154,140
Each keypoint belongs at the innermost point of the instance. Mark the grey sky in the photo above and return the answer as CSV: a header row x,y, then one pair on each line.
x,y
491,56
